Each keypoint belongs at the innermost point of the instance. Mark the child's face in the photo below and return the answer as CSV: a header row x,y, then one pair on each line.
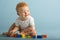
x,y
23,12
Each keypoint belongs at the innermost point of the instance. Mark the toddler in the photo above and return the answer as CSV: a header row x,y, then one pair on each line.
x,y
24,23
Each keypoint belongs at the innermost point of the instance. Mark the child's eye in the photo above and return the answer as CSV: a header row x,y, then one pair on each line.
x,y
26,10
20,11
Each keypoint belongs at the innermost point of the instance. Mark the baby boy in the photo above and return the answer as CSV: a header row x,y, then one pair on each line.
x,y
24,23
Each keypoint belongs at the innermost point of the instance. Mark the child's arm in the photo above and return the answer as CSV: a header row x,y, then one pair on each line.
x,y
12,27
15,29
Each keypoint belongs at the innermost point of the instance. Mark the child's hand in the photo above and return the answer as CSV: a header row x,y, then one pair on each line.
x,y
14,30
11,31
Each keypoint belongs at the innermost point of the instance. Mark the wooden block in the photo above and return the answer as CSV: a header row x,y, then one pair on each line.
x,y
44,36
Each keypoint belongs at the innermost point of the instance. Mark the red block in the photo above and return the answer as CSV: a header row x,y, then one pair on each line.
x,y
12,35
44,36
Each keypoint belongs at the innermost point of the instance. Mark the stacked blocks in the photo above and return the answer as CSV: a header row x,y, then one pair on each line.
x,y
41,36
28,36
17,34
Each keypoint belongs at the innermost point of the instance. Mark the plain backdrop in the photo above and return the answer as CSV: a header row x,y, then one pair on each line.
x,y
45,12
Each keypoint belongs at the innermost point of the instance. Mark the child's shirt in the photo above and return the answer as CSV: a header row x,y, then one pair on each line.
x,y
25,23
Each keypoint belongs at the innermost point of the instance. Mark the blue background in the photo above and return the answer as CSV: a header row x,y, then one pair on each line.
x,y
45,12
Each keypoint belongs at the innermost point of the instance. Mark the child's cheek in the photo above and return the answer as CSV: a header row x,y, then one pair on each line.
x,y
27,13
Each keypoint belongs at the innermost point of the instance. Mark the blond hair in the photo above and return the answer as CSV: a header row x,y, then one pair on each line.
x,y
21,4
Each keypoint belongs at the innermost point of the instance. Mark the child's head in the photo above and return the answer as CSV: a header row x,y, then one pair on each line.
x,y
22,9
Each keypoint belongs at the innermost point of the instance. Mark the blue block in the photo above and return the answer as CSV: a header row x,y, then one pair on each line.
x,y
39,36
34,37
17,35
20,35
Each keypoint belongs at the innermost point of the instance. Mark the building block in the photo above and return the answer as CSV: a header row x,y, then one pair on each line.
x,y
17,35
29,37
39,36
44,36
12,35
34,37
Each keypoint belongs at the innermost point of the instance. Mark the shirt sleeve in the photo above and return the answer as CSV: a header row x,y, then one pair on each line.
x,y
32,23
16,23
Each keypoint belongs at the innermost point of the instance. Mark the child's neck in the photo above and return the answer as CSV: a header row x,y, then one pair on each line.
x,y
23,19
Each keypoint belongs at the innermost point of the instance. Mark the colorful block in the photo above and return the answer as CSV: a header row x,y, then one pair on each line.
x,y
17,35
39,36
34,37
12,35
23,36
44,36
28,36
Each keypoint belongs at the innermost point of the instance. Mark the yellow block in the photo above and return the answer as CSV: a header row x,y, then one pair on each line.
x,y
23,36
29,37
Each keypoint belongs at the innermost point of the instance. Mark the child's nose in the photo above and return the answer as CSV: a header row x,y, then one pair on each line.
x,y
25,13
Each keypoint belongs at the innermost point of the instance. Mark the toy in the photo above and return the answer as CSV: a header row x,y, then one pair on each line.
x,y
28,36
34,37
18,35
44,36
39,36
23,35
12,35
